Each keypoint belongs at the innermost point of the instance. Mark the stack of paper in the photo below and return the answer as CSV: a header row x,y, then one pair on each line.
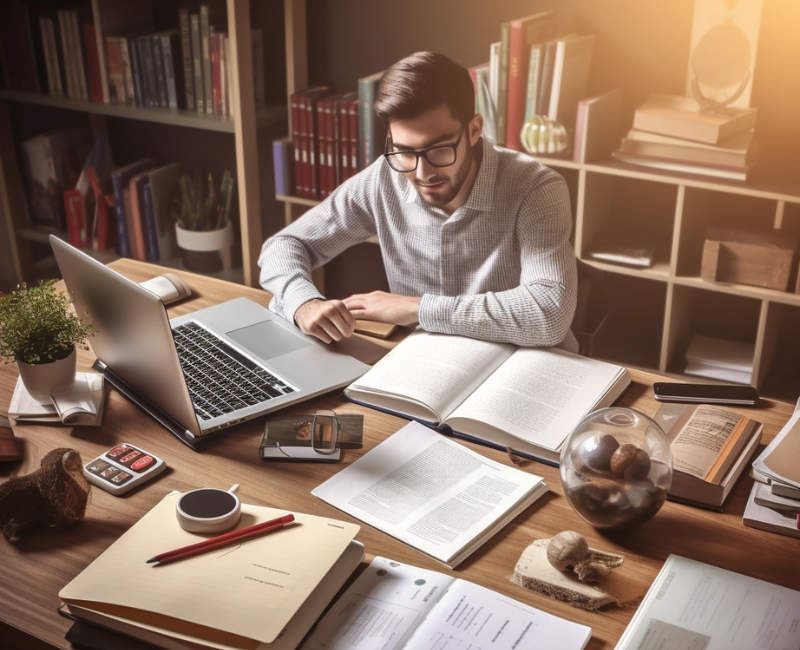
x,y
722,359
774,502
77,404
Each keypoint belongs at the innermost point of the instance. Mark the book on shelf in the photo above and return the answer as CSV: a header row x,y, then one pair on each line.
x,y
205,55
473,74
549,49
527,399
197,62
722,359
283,162
51,43
737,611
730,172
775,517
371,130
711,447
348,110
573,61
92,62
136,216
494,71
415,484
535,62
523,33
428,600
680,117
158,195
103,227
274,586
502,83
304,109
186,57
629,249
170,40
486,106
158,63
119,179
738,151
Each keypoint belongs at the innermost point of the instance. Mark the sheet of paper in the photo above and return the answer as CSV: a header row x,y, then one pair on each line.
x,y
778,460
438,371
469,617
381,609
251,589
698,445
538,395
80,401
428,491
24,407
696,606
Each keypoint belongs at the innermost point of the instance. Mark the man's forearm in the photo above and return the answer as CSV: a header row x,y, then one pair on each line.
x,y
286,274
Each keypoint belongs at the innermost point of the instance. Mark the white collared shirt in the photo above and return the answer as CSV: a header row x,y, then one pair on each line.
x,y
500,268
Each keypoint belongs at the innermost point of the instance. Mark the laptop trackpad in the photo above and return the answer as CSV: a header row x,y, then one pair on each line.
x,y
268,339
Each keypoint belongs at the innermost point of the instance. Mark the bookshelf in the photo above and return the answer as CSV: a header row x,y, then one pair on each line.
x,y
245,122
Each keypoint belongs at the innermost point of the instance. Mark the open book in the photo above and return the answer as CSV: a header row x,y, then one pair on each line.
x,y
432,493
528,399
393,606
245,597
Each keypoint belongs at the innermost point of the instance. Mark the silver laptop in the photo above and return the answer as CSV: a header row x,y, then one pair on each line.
x,y
200,373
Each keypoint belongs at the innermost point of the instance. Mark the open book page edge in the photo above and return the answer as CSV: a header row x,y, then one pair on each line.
x,y
392,403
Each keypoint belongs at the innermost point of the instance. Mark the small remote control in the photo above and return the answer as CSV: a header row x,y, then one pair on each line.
x,y
122,468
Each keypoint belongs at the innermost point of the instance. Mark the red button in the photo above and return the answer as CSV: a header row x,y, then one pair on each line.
x,y
118,451
127,458
142,463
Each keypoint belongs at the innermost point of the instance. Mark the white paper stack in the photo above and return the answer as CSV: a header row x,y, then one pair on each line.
x,y
720,359
77,404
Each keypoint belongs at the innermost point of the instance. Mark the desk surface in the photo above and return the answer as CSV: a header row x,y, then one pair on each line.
x,y
34,569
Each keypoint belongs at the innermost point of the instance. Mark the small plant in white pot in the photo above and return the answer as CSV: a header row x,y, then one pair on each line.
x,y
39,333
203,226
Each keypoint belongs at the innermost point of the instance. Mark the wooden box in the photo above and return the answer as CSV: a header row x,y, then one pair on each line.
x,y
760,259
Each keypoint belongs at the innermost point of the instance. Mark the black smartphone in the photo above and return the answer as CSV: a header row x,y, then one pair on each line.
x,y
705,393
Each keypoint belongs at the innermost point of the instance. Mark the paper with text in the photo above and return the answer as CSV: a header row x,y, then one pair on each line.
x,y
696,606
429,491
251,590
702,440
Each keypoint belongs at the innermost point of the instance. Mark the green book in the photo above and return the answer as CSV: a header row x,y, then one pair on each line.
x,y
502,88
534,77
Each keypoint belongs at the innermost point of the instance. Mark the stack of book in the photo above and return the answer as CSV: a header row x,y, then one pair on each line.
x,y
774,502
721,359
334,136
671,133
110,53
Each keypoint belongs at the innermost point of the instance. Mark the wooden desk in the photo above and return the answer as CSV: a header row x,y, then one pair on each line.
x,y
34,569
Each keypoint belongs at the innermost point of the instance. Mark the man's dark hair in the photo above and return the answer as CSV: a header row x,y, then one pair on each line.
x,y
423,81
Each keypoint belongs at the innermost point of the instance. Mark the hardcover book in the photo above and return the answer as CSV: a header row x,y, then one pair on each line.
x,y
573,62
491,393
738,151
773,518
710,449
120,179
371,130
186,57
624,248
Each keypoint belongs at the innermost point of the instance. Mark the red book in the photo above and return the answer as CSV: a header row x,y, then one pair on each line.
x,y
139,247
305,150
336,154
297,144
308,139
344,140
116,74
353,115
524,33
323,111
76,222
92,60
103,231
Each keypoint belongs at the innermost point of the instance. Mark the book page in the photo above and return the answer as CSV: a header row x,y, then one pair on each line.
x,y
538,395
702,440
696,606
381,609
251,589
435,370
428,491
471,616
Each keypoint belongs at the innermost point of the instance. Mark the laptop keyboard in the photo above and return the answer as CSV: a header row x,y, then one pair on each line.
x,y
221,379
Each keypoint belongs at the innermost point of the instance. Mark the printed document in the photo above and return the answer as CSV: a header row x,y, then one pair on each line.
x,y
392,606
431,492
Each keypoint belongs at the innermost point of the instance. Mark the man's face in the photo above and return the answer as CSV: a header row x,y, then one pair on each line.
x,y
438,186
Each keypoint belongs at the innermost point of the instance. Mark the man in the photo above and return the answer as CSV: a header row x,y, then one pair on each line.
x,y
475,239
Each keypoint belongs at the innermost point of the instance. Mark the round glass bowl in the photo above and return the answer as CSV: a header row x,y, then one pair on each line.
x,y
616,468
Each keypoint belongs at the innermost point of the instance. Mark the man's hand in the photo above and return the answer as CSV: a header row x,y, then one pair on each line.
x,y
328,320
384,307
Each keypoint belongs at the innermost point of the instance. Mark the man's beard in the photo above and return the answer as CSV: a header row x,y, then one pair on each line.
x,y
449,191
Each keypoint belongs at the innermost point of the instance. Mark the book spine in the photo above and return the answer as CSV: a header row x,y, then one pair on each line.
x,y
532,86
336,154
186,58
517,78
137,72
66,51
80,56
161,81
216,78
555,86
344,140
314,145
298,145
169,72
150,79
367,123
117,182
150,222
322,148
101,48
224,77
305,167
208,100
127,71
353,114
93,63
278,151
131,219
197,63
548,67
46,47
51,58
73,208
502,86
115,74
136,220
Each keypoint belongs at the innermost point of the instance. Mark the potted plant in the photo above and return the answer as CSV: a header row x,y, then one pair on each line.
x,y
39,333
203,227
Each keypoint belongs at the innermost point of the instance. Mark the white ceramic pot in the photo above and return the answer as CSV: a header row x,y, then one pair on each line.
x,y
41,378
206,250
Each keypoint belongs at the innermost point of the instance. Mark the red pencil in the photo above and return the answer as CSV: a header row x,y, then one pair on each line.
x,y
214,543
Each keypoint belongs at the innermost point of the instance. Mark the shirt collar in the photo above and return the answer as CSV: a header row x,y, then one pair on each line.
x,y
479,197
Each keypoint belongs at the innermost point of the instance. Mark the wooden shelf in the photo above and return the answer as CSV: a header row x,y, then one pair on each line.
x,y
265,115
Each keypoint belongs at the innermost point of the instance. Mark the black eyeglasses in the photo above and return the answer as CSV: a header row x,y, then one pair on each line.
x,y
436,156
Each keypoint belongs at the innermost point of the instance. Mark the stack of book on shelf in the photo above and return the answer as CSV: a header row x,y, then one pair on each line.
x,y
721,359
271,590
532,71
334,136
109,52
629,249
710,449
774,502
672,133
